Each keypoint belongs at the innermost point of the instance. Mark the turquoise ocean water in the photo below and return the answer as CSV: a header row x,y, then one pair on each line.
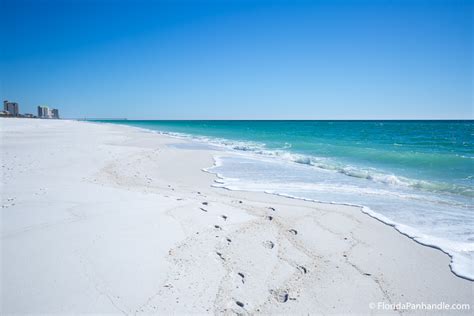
x,y
414,175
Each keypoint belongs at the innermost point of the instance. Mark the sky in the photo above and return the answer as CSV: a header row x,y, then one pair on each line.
x,y
405,59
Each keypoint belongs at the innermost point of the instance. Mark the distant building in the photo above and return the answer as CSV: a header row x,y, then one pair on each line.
x,y
47,113
55,113
44,112
11,107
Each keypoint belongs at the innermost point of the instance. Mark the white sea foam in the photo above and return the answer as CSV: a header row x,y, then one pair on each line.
x,y
370,174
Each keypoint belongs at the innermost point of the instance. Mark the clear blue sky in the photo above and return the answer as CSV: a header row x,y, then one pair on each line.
x,y
239,59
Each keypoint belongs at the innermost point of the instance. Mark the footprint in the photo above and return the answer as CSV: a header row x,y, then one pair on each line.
x,y
272,209
220,255
280,296
240,274
270,218
205,203
202,209
302,269
11,203
268,244
228,240
293,231
224,217
239,303
217,227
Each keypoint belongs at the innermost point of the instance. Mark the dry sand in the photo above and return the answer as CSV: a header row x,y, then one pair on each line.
x,y
100,218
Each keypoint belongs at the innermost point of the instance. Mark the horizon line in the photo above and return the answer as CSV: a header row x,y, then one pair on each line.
x,y
244,119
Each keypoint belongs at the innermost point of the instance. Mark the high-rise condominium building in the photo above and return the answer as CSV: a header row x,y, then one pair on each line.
x,y
55,113
40,111
11,107
46,112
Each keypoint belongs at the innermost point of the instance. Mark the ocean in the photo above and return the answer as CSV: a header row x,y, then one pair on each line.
x,y
416,176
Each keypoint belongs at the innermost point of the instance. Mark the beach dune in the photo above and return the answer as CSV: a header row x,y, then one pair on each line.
x,y
100,218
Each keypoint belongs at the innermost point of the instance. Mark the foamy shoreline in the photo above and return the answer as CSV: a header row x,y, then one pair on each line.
x,y
110,219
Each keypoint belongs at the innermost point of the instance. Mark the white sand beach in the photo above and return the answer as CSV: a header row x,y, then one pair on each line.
x,y
100,218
